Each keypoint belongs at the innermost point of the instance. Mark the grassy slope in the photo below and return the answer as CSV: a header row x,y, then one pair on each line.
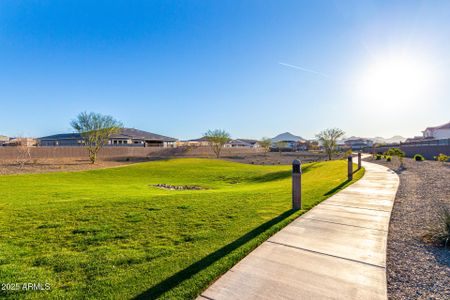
x,y
108,234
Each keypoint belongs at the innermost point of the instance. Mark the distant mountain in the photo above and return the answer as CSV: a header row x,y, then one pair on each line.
x,y
393,140
287,136
380,140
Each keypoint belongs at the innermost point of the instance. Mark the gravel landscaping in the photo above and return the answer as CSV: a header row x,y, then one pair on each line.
x,y
171,187
417,269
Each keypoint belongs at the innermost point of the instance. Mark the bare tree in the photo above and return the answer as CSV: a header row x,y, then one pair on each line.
x,y
23,151
95,130
397,152
265,143
217,139
328,138
312,145
281,145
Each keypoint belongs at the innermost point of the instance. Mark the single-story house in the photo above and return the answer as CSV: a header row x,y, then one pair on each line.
x,y
289,141
19,141
356,143
3,139
201,142
242,143
127,137
418,139
437,132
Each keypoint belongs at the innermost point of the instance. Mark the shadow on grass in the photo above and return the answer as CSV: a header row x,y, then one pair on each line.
x,y
355,170
271,177
337,188
309,167
171,282
281,174
340,186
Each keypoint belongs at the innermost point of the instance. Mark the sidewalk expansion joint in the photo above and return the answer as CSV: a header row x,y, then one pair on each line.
x,y
320,220
368,213
355,207
326,254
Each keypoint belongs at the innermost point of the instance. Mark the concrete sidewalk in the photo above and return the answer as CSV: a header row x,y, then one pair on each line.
x,y
335,251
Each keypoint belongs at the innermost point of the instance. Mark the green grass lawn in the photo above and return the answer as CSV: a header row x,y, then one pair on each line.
x,y
109,234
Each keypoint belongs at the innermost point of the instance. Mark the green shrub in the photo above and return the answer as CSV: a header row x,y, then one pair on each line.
x,y
378,157
397,152
440,232
442,157
388,158
418,157
347,153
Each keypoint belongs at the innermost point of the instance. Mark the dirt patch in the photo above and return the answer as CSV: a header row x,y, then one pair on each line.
x,y
178,187
8,167
45,165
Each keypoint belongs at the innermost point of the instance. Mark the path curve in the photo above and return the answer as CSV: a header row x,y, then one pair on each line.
x,y
337,250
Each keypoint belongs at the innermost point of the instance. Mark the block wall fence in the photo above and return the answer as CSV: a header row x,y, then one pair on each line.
x,y
7,153
427,151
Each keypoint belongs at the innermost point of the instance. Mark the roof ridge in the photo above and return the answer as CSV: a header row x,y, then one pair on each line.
x,y
443,126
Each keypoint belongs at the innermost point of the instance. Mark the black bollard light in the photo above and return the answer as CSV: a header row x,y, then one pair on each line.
x,y
350,167
296,185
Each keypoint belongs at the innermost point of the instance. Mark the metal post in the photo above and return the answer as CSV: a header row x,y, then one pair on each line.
x,y
296,185
350,167
359,160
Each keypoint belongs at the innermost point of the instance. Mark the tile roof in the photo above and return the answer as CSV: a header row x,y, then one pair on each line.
x,y
250,141
444,126
125,133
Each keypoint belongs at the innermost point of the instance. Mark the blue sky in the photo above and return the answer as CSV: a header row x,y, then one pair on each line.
x,y
253,68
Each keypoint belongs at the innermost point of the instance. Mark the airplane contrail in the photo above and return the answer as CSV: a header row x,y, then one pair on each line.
x,y
304,69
